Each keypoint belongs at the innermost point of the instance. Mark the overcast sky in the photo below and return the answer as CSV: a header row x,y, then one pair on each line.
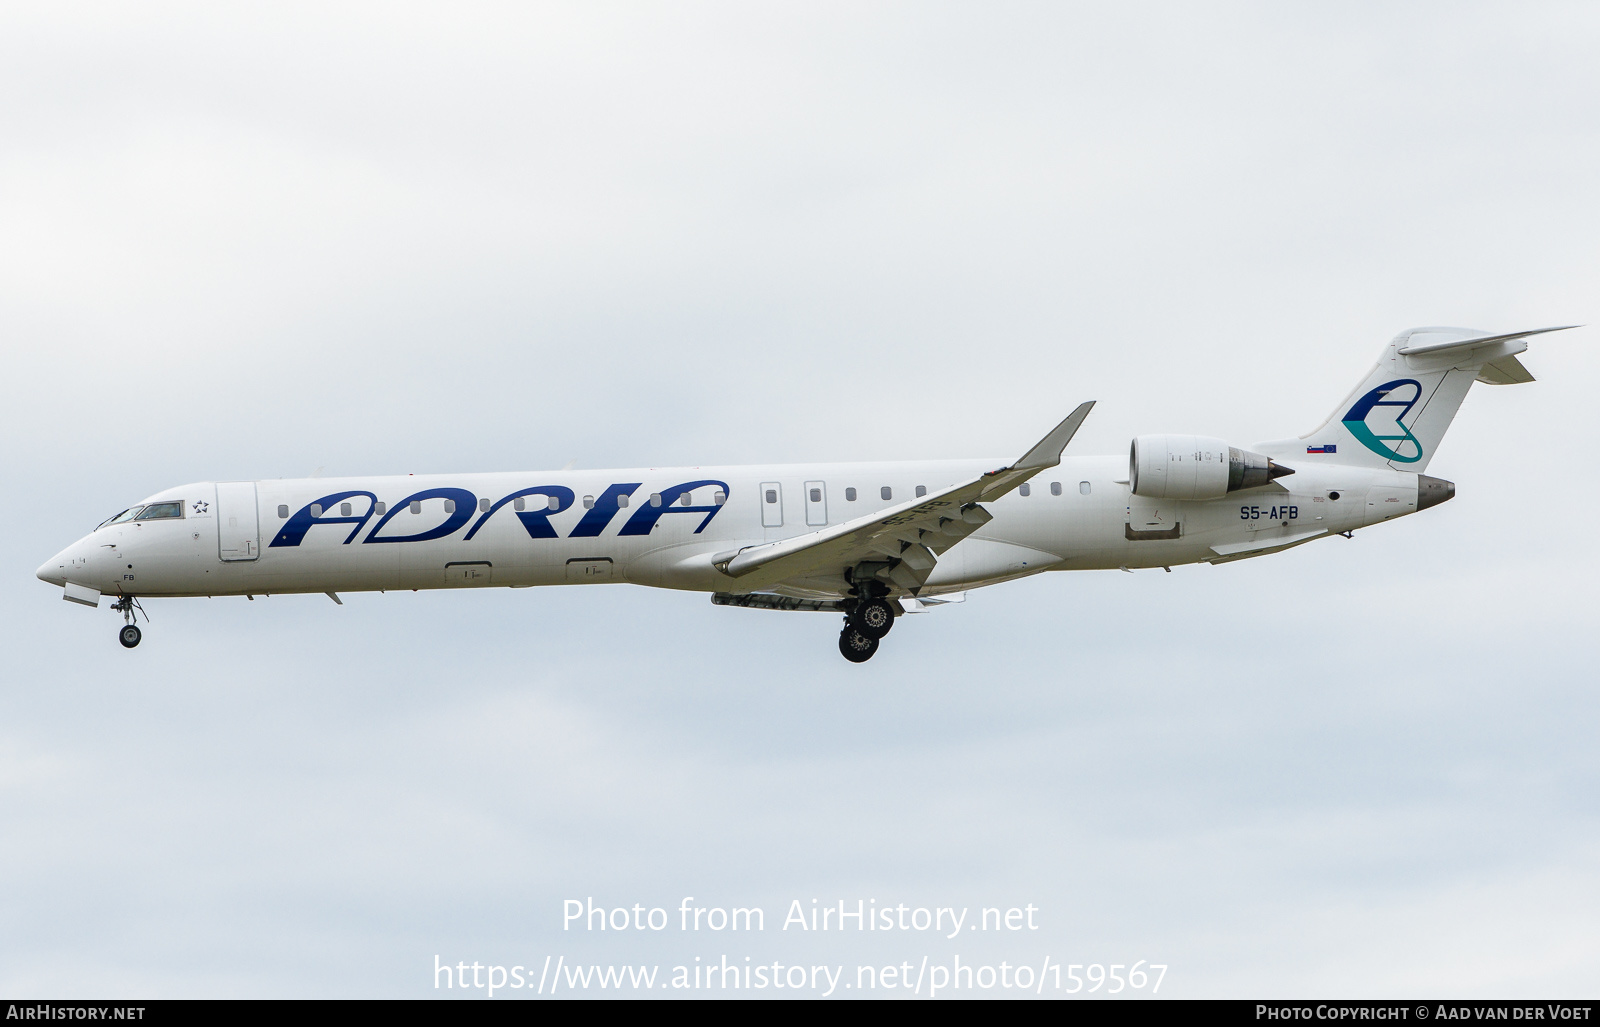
x,y
250,242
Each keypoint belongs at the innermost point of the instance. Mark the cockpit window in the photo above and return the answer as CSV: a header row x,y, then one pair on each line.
x,y
161,511
127,515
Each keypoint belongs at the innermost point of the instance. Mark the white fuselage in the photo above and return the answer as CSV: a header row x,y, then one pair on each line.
x,y
465,530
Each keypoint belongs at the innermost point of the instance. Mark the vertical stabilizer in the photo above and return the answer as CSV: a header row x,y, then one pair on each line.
x,y
1399,413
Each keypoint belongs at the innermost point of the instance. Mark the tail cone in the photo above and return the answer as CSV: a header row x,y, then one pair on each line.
x,y
1432,491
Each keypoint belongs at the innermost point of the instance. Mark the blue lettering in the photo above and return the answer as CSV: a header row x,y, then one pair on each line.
x,y
464,500
605,508
536,521
294,529
645,519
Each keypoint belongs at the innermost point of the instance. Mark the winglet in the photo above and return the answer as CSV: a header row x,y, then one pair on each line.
x,y
1048,452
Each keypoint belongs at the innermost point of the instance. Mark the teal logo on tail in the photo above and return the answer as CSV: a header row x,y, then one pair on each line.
x,y
1377,420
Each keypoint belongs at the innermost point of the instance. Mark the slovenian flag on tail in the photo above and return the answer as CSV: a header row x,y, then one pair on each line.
x,y
1322,449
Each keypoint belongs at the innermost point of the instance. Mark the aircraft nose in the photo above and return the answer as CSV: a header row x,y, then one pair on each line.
x,y
53,570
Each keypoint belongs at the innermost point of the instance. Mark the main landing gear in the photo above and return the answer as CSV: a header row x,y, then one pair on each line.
x,y
864,626
130,634
856,647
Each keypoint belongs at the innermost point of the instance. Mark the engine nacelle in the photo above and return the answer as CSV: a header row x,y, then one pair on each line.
x,y
1195,467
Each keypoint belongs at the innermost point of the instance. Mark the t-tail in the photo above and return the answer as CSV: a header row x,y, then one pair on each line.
x,y
1397,416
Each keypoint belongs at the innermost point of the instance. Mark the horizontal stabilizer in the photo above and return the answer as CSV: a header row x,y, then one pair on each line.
x,y
1440,347
1505,371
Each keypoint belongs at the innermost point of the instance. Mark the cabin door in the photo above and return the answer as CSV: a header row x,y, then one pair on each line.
x,y
238,531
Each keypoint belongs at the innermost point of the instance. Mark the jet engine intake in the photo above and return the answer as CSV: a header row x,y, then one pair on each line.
x,y
1195,467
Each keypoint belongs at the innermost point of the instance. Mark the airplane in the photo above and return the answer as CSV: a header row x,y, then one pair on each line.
x,y
870,541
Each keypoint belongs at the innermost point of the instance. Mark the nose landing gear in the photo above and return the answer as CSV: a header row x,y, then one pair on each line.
x,y
130,634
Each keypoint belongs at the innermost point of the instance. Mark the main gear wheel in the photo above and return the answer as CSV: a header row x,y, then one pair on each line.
x,y
856,647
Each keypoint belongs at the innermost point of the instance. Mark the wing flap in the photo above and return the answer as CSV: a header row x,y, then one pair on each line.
x,y
885,533
907,539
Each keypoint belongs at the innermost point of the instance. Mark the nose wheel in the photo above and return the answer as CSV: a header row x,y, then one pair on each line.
x,y
129,607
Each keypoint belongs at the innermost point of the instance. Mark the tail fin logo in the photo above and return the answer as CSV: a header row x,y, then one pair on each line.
x,y
1377,420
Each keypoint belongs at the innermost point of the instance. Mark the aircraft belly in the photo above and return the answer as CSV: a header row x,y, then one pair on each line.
x,y
977,561
685,565
320,569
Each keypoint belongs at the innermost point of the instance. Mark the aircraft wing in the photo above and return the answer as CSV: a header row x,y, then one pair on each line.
x,y
901,544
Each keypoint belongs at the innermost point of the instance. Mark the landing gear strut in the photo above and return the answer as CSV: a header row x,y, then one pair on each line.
x,y
869,618
130,634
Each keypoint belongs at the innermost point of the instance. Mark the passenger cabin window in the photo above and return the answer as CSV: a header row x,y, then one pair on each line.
x,y
344,509
687,496
161,511
283,510
1025,488
772,495
416,506
1083,488
449,506
316,509
719,497
850,495
483,505
378,508
816,495
554,504
655,499
588,502
922,490
623,501
1055,488
520,504
886,492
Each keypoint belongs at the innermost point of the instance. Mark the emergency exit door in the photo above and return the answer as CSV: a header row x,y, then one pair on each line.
x,y
771,504
238,531
816,504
